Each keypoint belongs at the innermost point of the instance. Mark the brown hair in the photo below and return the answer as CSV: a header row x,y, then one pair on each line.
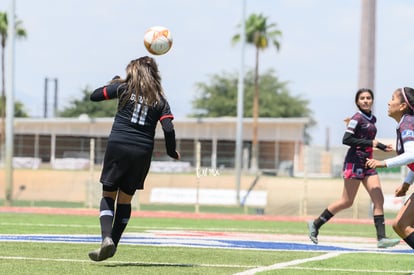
x,y
143,80
360,91
407,96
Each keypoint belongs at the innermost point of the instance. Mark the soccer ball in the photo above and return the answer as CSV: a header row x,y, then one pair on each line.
x,y
158,40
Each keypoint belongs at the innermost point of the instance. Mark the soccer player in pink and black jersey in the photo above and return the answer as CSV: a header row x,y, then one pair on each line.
x,y
401,108
360,137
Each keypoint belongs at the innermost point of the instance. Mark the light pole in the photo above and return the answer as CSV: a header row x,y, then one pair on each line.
x,y
240,106
367,45
10,106
55,97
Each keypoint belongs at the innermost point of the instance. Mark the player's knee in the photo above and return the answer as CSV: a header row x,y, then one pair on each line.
x,y
395,226
347,204
124,198
399,226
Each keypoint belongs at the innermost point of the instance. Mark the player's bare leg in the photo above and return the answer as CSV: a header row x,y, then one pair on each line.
x,y
403,223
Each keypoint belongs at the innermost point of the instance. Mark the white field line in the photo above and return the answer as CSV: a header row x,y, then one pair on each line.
x,y
286,264
122,262
47,225
137,227
229,233
204,265
284,235
352,270
366,244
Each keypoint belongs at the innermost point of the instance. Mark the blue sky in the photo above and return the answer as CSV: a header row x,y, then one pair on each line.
x,y
84,43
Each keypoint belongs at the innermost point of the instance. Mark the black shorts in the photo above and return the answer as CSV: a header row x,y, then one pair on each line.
x,y
357,171
125,167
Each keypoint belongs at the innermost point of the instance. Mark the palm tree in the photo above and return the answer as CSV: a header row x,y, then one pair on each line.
x,y
260,34
20,33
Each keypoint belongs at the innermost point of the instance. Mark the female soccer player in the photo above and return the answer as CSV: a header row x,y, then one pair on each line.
x,y
360,136
400,108
141,104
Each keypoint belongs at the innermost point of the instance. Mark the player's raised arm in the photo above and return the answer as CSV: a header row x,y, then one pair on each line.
x,y
105,93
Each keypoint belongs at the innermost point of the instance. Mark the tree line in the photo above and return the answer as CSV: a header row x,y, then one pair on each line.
x,y
215,98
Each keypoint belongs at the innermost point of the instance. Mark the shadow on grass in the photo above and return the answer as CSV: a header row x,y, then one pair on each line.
x,y
150,264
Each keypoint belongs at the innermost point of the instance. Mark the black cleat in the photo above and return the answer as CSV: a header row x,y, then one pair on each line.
x,y
106,251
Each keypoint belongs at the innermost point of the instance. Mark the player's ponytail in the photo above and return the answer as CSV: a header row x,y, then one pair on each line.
x,y
149,80
407,95
144,81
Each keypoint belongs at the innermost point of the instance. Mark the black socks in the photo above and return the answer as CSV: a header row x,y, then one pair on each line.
x,y
110,226
323,218
410,240
123,213
106,216
379,223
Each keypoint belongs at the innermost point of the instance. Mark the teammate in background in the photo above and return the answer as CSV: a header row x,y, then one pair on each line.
x,y
360,136
400,108
141,104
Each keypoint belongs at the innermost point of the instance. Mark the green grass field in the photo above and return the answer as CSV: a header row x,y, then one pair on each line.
x,y
27,257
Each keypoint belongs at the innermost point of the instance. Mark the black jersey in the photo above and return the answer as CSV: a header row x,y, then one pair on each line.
x,y
363,129
405,132
135,123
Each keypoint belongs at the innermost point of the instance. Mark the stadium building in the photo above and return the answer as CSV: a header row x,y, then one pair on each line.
x,y
281,141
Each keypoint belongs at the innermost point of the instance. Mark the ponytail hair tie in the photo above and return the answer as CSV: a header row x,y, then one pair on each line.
x,y
405,99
